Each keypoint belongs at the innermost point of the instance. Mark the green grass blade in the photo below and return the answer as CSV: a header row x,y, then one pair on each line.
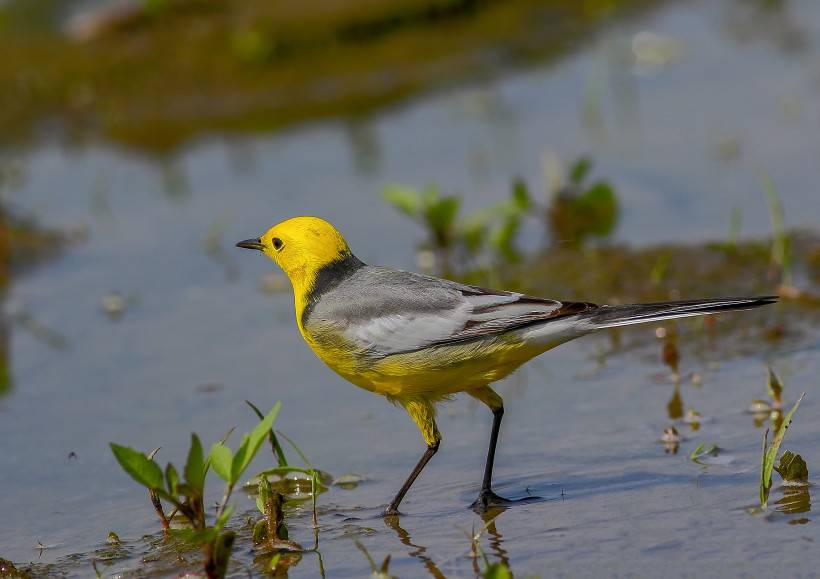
x,y
274,442
301,454
764,485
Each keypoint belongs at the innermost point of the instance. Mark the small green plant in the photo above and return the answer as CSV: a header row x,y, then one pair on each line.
x,y
781,241
270,533
186,493
703,450
769,453
435,212
495,227
579,210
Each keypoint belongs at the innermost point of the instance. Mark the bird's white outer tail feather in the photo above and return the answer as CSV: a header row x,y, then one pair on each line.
x,y
558,331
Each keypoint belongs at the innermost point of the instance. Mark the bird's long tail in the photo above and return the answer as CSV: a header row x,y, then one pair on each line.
x,y
612,316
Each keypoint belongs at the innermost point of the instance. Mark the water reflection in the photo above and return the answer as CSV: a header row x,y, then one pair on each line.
x,y
22,245
795,500
495,542
417,551
496,539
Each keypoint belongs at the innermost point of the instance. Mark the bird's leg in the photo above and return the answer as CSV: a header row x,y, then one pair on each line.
x,y
486,497
393,507
423,414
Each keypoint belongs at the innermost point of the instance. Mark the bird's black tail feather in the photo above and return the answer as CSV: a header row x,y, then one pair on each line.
x,y
612,316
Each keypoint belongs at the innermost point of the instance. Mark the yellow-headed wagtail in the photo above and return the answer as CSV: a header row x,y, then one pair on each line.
x,y
418,340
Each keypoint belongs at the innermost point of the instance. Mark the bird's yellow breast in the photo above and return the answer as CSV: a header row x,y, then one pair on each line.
x,y
435,372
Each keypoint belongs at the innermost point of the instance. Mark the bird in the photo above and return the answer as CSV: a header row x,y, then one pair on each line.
x,y
419,340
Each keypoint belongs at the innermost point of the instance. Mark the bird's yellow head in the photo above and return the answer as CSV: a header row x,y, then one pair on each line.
x,y
301,246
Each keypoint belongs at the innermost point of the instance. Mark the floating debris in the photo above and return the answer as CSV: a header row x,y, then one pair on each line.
x,y
693,418
348,481
671,440
774,388
209,387
759,407
113,305
652,52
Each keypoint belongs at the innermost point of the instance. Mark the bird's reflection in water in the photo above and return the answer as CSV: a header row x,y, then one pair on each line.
x,y
417,551
496,541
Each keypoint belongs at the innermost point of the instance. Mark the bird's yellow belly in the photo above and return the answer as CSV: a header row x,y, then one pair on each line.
x,y
432,373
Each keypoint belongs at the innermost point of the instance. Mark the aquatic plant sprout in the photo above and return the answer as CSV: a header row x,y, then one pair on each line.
x,y
187,494
769,453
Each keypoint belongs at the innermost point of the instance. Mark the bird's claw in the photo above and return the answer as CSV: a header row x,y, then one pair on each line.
x,y
487,499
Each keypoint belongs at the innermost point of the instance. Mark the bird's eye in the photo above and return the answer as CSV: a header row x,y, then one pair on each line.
x,y
277,243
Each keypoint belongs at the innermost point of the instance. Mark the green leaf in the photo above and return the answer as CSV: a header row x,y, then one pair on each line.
x,y
503,238
770,454
579,171
143,470
440,217
223,518
255,439
221,459
405,199
600,207
264,495
195,466
274,442
764,484
793,468
520,195
193,536
497,571
239,459
260,531
172,479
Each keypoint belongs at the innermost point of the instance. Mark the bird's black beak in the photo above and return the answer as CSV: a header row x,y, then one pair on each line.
x,y
251,244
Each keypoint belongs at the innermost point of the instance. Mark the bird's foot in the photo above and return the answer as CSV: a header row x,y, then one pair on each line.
x,y
487,499
390,511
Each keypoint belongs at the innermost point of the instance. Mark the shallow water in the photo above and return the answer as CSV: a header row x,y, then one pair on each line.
x,y
582,437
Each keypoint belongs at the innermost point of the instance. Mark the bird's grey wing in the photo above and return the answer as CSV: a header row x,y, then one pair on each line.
x,y
384,312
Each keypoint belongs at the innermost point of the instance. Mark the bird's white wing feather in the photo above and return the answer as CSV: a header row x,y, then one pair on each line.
x,y
473,316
